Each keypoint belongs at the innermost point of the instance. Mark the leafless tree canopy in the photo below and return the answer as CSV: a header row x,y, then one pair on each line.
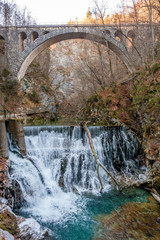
x,y
11,15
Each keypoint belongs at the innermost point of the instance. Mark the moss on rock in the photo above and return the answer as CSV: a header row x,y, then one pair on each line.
x,y
8,222
131,221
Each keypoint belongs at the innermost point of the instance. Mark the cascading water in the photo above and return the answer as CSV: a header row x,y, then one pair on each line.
x,y
60,167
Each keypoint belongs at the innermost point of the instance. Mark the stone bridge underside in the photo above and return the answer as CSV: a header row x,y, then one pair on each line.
x,y
23,44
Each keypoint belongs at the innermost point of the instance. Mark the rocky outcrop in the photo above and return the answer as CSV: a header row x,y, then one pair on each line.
x,y
31,229
9,188
153,147
5,183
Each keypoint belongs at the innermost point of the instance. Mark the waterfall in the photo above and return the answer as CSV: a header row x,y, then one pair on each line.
x,y
59,163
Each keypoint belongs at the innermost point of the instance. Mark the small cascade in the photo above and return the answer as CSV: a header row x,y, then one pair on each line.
x,y
60,163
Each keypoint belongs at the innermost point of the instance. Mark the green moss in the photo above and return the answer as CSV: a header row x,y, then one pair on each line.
x,y
108,101
33,96
146,101
155,68
94,99
44,88
9,86
5,73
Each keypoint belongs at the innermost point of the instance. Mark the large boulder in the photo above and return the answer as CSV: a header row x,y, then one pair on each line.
x,y
30,229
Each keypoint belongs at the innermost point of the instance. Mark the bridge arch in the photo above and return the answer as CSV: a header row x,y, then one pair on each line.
x,y
44,41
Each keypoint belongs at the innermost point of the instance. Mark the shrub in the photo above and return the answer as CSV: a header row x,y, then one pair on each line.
x,y
33,96
155,68
9,86
5,73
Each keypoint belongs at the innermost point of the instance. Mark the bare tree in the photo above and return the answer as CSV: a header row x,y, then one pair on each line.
x,y
10,14
100,12
138,12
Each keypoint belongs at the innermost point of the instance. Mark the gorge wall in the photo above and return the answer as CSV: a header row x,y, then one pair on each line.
x,y
68,73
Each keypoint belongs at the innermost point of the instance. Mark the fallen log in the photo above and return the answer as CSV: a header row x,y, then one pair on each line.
x,y
84,125
154,194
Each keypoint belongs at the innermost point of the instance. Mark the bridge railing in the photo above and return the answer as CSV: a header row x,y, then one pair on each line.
x,y
77,24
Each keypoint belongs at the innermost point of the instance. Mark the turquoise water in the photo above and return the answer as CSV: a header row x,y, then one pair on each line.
x,y
82,225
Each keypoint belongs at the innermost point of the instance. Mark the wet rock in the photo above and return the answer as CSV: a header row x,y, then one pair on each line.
x,y
75,190
17,194
64,162
9,188
30,229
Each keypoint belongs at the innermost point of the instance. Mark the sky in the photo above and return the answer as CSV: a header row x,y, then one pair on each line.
x,y
60,11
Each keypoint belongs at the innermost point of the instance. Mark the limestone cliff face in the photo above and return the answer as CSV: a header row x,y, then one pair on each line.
x,y
79,69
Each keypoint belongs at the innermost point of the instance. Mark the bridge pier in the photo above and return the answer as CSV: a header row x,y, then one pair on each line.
x,y
15,128
16,131
3,140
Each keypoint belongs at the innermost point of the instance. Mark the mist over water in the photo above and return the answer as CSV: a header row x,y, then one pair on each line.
x,y
58,177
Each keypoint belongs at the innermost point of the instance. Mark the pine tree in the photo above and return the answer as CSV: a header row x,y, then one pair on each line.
x,y
89,13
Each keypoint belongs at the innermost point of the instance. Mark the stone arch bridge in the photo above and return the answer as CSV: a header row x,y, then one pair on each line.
x,y
24,43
